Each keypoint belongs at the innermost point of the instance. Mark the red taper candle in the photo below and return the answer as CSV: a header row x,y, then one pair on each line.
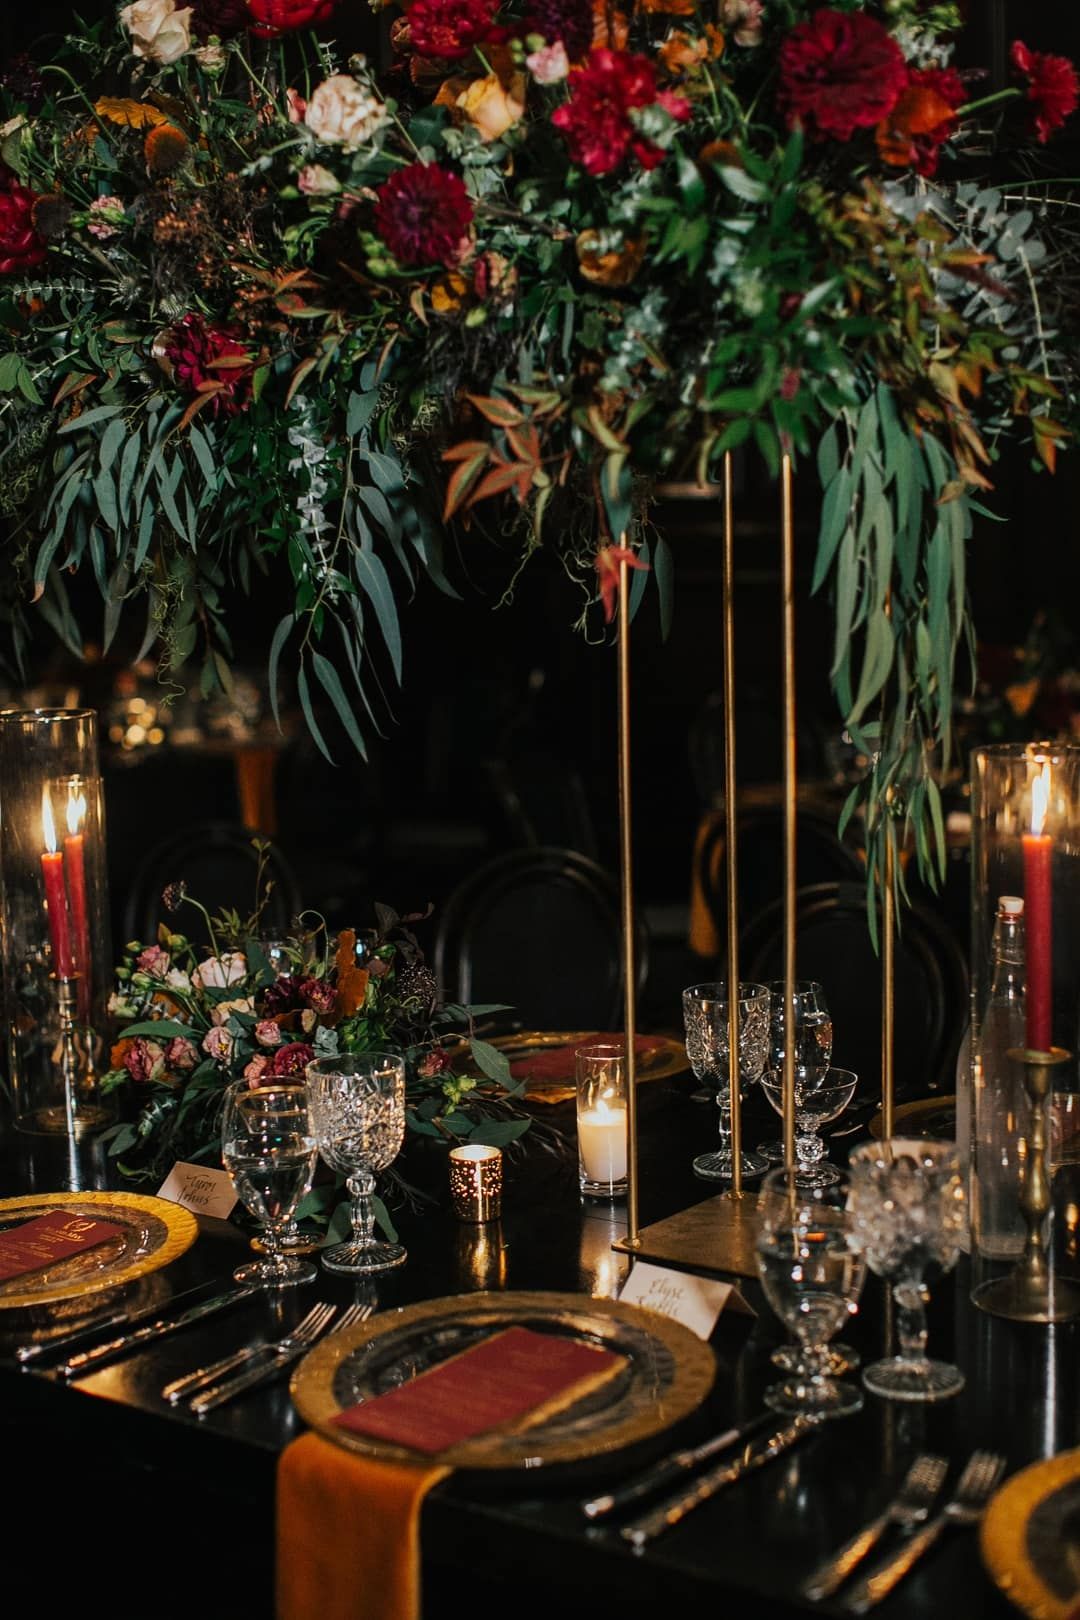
x,y
76,885
1038,913
52,870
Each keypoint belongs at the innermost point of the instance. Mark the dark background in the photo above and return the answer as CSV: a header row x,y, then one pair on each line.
x,y
483,686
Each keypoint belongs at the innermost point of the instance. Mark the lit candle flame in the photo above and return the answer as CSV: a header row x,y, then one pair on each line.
x,y
1040,799
76,810
48,825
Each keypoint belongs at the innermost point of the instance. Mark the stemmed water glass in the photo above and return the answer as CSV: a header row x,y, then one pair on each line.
x,y
909,1210
812,1274
820,1096
813,1040
705,1016
357,1107
268,1148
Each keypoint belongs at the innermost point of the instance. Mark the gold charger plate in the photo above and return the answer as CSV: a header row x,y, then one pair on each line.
x,y
927,1118
667,1374
667,1058
155,1233
1030,1538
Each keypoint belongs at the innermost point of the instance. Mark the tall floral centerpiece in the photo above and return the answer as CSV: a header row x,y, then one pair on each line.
x,y
265,308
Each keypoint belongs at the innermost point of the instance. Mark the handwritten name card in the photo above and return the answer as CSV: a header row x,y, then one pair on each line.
x,y
203,1191
696,1302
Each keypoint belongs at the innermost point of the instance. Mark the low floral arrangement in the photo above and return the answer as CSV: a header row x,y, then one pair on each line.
x,y
192,1021
263,308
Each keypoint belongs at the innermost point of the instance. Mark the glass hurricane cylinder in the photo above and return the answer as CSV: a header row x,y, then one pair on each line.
x,y
1021,1117
54,909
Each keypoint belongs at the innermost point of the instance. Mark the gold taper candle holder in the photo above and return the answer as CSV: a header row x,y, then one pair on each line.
x,y
629,926
476,1182
1031,1292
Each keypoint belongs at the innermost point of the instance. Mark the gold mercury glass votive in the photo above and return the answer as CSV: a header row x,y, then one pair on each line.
x,y
476,1182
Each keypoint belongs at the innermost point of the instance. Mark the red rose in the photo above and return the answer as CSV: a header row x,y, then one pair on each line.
x,y
840,73
293,1058
20,245
270,18
922,120
449,28
1053,87
596,120
423,214
194,349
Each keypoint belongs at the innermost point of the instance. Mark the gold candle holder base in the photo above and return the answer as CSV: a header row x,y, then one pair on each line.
x,y
717,1237
1031,1292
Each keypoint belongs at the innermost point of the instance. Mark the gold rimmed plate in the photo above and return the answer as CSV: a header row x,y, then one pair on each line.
x,y
928,1118
153,1234
544,1059
1030,1538
665,1374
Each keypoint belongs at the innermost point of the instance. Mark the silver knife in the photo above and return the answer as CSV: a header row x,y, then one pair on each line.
x,y
672,1468
87,1359
639,1532
25,1353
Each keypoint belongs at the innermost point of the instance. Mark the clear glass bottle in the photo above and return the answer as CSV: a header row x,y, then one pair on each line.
x,y
998,1109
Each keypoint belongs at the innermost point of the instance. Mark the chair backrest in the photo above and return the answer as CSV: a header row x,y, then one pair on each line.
x,y
819,855
539,929
218,863
832,944
542,800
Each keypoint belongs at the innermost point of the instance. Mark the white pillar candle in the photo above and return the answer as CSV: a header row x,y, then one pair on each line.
x,y
602,1140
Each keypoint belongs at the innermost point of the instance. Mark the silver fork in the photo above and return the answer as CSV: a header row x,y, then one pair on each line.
x,y
192,1382
976,1485
251,1377
910,1506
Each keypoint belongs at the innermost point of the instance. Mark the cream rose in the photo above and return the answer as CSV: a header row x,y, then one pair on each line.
x,y
158,31
342,112
217,972
225,1009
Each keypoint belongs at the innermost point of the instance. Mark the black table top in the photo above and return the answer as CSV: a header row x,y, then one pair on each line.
x,y
167,1494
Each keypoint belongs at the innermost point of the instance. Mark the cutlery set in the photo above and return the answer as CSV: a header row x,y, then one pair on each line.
x,y
207,1387
910,1507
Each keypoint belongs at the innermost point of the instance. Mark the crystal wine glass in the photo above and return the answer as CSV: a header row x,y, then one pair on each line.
x,y
820,1096
705,1015
812,1275
268,1148
813,1040
909,1210
358,1115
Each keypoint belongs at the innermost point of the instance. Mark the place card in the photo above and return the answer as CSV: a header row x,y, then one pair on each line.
x,y
694,1301
203,1191
514,1377
35,1244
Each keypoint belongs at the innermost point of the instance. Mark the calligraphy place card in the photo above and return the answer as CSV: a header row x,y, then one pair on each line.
x,y
203,1191
696,1302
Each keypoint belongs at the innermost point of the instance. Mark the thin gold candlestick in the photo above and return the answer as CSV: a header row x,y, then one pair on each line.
x,y
626,866
731,833
790,808
888,989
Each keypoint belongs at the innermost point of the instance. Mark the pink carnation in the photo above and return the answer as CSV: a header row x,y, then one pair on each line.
x,y
181,1054
144,1060
154,961
254,1071
267,1033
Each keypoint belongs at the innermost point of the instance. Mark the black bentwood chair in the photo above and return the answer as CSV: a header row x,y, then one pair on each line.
x,y
217,862
832,943
539,929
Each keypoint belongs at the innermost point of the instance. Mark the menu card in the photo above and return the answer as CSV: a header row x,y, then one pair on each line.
x,y
514,1377
33,1245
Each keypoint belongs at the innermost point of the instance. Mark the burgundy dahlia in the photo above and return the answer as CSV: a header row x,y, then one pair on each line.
x,y
195,350
568,20
290,1059
449,28
423,215
225,18
21,246
318,995
596,120
840,72
282,996
270,18
1052,87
